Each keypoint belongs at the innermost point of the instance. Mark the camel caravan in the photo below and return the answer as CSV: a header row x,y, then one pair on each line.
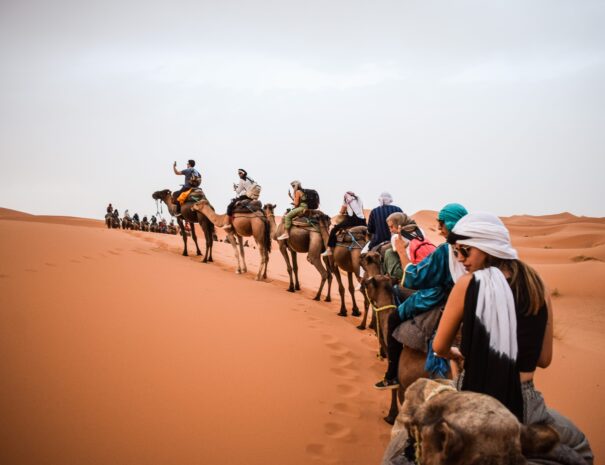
x,y
134,223
461,326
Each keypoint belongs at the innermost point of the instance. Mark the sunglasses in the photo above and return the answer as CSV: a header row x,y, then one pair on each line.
x,y
462,250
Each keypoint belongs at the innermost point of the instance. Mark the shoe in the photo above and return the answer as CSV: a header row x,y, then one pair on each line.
x,y
387,384
327,253
227,227
283,237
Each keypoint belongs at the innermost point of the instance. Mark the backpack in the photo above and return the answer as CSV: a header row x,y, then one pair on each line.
x,y
419,247
196,179
254,191
312,199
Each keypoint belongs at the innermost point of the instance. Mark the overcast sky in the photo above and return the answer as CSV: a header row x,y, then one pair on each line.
x,y
499,105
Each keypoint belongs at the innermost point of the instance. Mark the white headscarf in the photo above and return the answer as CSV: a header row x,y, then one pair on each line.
x,y
486,232
385,199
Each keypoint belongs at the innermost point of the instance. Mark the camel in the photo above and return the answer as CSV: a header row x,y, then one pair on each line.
x,y
411,362
126,222
449,427
108,220
302,240
244,225
190,216
372,266
347,257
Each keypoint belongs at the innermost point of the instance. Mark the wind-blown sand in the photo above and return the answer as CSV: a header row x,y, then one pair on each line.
x,y
116,349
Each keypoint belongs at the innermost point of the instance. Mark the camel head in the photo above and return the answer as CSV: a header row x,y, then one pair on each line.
x,y
379,289
199,205
161,195
467,428
370,260
269,209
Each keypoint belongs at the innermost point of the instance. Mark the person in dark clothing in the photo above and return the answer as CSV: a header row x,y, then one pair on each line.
x,y
377,222
188,172
109,208
241,190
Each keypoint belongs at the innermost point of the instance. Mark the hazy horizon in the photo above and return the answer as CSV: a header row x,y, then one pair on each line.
x,y
497,105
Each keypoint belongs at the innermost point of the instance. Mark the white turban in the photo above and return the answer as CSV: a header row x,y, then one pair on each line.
x,y
385,199
487,233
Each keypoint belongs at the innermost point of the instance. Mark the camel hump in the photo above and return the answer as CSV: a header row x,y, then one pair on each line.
x,y
248,206
354,234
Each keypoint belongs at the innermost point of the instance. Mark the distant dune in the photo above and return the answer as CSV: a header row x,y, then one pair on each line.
x,y
119,350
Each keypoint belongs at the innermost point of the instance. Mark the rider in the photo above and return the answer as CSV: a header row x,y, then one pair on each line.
x,y
135,217
126,214
188,173
110,208
116,214
377,221
299,200
352,208
242,191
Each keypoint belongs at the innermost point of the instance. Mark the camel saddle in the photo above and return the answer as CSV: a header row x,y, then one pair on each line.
x,y
309,219
351,235
417,332
248,206
193,195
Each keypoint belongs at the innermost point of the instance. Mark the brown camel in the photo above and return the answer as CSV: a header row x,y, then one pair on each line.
x,y
347,257
302,240
190,216
243,225
108,220
449,427
411,362
372,266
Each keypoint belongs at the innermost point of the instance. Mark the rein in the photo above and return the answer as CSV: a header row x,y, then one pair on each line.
x,y
378,310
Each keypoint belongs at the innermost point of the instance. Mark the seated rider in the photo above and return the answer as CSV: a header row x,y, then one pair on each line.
x,y
418,247
352,208
241,190
299,200
145,220
135,217
432,278
126,214
377,221
109,208
188,172
116,214
154,220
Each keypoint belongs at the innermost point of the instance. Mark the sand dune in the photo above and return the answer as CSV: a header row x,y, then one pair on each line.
x,y
119,350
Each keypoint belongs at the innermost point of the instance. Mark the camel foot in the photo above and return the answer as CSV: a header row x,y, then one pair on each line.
x,y
297,287
238,271
185,254
316,298
390,420
328,299
210,259
356,312
342,313
199,253
361,327
290,289
372,326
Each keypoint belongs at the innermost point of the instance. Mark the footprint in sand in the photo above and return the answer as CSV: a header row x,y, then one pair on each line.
x,y
336,430
329,338
338,348
31,270
343,361
2,276
87,257
113,252
348,374
315,450
50,264
346,409
73,260
348,391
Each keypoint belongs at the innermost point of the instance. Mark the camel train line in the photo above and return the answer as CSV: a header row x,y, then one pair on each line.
x,y
382,295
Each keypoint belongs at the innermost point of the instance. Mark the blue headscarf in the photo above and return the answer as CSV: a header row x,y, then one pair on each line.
x,y
450,214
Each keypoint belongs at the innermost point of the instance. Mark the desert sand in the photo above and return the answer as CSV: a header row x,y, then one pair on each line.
x,y
116,349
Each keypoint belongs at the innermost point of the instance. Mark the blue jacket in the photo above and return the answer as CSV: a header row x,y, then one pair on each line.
x,y
377,223
432,280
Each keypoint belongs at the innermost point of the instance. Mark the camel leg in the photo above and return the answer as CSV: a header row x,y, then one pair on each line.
x,y
326,261
295,268
393,409
233,242
240,241
341,291
284,251
314,257
366,307
356,311
194,237
184,235
208,228
263,261
373,321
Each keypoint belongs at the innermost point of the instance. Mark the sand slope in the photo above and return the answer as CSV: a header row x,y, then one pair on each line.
x,y
123,351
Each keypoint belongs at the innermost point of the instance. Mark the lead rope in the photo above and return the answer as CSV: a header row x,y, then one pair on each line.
x,y
378,310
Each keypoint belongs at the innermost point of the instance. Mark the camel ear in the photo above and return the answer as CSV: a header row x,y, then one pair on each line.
x,y
538,439
447,440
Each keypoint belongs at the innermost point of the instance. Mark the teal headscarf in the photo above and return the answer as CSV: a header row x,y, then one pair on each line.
x,y
450,214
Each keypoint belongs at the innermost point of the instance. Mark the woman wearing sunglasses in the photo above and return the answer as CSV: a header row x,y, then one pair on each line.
x,y
507,326
432,278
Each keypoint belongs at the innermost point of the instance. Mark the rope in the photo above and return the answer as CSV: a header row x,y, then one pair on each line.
x,y
378,310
